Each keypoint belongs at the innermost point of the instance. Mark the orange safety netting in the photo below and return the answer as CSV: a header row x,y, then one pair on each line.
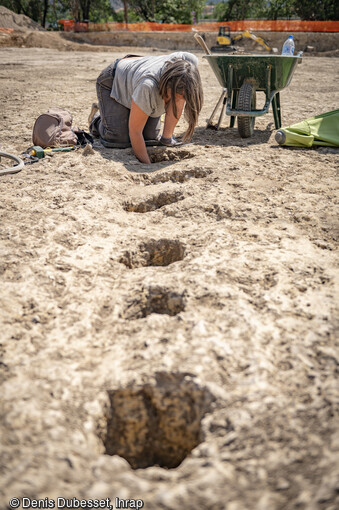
x,y
71,26
236,26
275,26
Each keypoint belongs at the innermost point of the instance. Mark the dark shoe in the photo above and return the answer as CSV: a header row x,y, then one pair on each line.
x,y
152,143
94,110
170,142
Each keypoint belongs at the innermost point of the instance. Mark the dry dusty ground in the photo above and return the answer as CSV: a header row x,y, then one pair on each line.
x,y
180,315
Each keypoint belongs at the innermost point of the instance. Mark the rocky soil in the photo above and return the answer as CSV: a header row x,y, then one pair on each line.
x,y
169,332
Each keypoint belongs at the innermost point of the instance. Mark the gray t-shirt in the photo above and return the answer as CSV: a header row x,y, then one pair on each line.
x,y
138,79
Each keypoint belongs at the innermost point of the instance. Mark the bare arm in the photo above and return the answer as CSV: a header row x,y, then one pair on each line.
x,y
170,120
137,121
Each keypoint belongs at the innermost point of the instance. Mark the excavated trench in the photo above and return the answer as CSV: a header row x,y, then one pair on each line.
x,y
158,423
154,299
154,202
160,252
160,155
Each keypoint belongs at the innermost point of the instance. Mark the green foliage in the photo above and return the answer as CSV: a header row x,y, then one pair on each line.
x,y
236,9
180,11
99,11
144,8
173,11
167,11
219,11
57,11
133,17
279,9
321,10
87,10
230,10
38,10
31,8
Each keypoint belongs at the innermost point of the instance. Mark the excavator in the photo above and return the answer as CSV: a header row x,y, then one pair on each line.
x,y
225,42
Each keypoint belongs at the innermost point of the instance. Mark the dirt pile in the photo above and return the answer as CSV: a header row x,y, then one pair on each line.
x,y
52,40
9,19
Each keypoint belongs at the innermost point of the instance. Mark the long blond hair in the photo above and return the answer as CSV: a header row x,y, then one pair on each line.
x,y
182,77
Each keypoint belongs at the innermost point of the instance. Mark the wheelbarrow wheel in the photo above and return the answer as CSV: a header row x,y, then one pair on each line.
x,y
246,102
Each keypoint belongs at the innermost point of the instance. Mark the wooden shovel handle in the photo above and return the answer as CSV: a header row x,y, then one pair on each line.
x,y
202,43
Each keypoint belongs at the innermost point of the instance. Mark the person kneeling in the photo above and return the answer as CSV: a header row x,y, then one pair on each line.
x,y
133,93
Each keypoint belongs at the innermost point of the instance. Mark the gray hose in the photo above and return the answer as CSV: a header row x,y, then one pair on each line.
x,y
14,169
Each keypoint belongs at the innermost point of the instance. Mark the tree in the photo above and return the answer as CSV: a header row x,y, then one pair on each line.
x,y
34,9
74,8
321,10
229,10
173,11
125,11
179,11
44,14
144,8
276,9
236,9
86,10
167,11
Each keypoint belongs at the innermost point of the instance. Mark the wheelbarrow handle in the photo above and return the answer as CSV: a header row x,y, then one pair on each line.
x,y
202,43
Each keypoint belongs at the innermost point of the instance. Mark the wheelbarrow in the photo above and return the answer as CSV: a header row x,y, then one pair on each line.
x,y
241,76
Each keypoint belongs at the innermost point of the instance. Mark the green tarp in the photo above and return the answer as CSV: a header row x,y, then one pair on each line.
x,y
319,130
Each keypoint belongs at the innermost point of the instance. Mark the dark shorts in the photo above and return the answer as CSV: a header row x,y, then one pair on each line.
x,y
111,125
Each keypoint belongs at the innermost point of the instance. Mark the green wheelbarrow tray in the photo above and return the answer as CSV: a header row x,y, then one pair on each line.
x,y
241,76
